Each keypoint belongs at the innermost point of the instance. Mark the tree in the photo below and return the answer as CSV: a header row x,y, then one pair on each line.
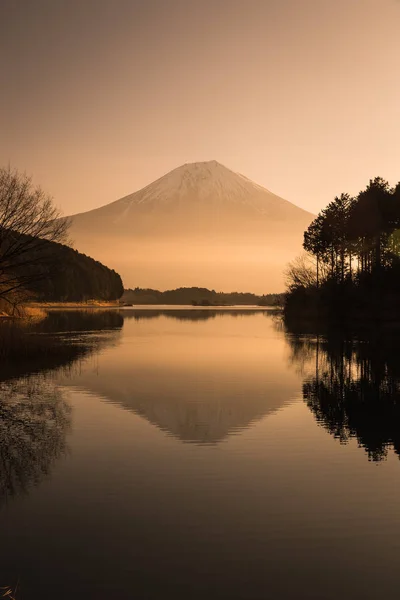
x,y
28,219
372,220
327,237
301,273
315,242
365,228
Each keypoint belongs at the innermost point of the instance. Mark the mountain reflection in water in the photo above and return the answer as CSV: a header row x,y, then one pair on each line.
x,y
134,511
192,379
188,386
352,386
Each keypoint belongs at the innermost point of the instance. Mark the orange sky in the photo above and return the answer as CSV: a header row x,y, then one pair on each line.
x,y
99,98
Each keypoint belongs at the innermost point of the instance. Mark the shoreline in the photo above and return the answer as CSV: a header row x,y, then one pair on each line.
x,y
116,305
66,305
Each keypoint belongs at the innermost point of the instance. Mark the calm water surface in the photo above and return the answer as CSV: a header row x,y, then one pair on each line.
x,y
198,454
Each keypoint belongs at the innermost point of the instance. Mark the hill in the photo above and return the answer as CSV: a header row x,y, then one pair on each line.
x,y
201,224
62,274
198,297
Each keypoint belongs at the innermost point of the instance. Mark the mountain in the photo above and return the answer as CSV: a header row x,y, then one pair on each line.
x,y
199,225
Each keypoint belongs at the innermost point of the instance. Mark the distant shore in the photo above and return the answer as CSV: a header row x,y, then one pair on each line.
x,y
95,304
198,307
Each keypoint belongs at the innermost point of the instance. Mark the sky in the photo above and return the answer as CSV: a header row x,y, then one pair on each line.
x,y
101,97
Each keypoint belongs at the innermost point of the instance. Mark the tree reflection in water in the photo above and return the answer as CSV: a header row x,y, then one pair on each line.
x,y
187,314
34,420
352,386
34,416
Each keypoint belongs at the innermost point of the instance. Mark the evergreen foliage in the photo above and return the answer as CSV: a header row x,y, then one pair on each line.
x,y
61,274
362,228
355,243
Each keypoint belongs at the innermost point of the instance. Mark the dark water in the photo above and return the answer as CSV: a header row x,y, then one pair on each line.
x,y
201,455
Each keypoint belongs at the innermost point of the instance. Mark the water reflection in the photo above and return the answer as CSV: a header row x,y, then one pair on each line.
x,y
133,513
34,415
199,384
69,321
34,420
352,386
82,333
186,314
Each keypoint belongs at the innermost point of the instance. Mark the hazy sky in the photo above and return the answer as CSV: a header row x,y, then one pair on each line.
x,y
100,97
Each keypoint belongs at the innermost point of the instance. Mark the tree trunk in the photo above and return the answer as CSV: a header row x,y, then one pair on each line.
x,y
378,259
342,265
351,274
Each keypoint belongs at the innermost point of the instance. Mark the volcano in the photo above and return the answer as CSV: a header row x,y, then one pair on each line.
x,y
199,225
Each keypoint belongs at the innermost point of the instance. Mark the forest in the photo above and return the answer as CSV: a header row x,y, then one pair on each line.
x,y
69,276
36,262
351,268
197,296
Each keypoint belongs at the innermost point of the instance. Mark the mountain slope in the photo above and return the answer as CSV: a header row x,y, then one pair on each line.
x,y
201,224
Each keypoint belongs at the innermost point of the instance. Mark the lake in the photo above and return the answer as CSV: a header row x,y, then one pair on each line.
x,y
201,454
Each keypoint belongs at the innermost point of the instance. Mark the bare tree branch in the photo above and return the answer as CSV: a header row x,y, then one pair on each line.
x,y
29,220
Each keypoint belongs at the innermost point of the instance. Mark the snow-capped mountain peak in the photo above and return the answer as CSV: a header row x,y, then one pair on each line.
x,y
200,224
205,186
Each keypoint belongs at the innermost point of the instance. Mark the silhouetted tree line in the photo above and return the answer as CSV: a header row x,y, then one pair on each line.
x,y
355,245
352,386
198,297
60,273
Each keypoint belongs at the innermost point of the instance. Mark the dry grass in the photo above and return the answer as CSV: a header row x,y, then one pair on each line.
x,y
5,308
33,314
8,592
62,305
